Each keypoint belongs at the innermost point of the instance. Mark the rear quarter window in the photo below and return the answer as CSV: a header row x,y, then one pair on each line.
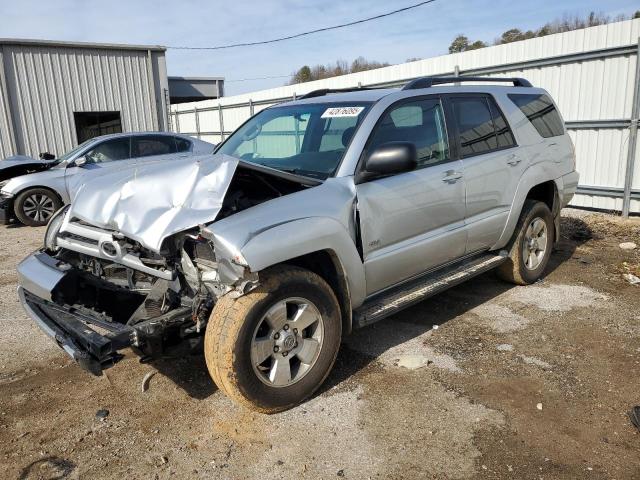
x,y
541,112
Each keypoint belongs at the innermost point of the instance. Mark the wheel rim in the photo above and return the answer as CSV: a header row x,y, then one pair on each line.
x,y
535,244
38,207
287,342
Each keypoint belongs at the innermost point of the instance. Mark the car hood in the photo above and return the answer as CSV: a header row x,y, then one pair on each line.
x,y
23,160
150,202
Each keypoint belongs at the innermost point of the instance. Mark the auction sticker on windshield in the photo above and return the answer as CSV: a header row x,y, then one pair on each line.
x,y
342,112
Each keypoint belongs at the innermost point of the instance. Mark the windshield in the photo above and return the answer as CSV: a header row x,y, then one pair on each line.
x,y
71,153
307,139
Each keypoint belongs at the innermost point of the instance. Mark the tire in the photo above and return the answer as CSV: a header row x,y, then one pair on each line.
x,y
515,270
235,324
35,207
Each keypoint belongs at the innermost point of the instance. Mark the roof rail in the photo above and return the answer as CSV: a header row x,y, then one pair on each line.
x,y
326,91
427,82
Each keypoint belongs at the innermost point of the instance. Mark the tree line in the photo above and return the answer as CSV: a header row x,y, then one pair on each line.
x,y
566,24
460,44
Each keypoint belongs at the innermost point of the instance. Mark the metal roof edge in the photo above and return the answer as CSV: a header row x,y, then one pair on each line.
x,y
32,42
194,79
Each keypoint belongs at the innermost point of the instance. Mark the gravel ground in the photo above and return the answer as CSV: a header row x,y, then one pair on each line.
x,y
485,381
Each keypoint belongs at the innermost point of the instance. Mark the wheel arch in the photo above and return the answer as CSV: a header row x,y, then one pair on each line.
x,y
321,244
38,187
326,264
533,186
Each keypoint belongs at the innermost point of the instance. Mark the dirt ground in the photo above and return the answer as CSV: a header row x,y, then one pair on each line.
x,y
486,381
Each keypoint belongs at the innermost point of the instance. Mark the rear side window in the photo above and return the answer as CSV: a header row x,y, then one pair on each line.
x,y
503,132
149,145
183,145
475,125
540,111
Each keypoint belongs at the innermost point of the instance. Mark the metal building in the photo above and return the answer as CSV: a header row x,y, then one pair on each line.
x,y
55,95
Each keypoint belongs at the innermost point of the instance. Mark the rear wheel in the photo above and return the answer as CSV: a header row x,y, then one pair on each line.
x,y
273,347
531,245
36,206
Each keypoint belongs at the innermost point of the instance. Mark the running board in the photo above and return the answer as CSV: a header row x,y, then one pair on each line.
x,y
414,291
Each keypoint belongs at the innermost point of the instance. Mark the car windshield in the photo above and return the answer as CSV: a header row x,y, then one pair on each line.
x,y
71,153
305,139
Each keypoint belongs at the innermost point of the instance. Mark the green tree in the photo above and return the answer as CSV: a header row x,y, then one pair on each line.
x,y
302,75
476,45
459,44
512,35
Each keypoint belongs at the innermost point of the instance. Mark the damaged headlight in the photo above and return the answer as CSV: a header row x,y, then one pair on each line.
x,y
53,228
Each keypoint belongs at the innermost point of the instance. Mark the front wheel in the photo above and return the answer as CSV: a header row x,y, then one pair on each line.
x,y
34,207
531,245
273,347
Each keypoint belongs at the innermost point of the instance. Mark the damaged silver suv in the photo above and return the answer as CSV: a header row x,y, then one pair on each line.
x,y
313,218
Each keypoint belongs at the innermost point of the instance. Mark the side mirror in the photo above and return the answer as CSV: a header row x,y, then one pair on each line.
x,y
80,161
390,158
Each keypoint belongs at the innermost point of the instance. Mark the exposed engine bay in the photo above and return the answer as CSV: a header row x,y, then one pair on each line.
x,y
164,297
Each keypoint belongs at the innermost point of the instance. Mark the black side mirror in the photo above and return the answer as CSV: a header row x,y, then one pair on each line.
x,y
388,159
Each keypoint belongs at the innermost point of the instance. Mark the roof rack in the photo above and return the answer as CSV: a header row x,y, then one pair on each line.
x,y
326,91
427,82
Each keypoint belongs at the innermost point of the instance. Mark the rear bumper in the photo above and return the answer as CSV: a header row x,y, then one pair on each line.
x,y
569,187
74,331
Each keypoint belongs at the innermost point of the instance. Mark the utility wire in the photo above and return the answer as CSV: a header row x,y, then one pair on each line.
x,y
298,35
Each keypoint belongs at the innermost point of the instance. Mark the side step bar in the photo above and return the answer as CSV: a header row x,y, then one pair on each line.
x,y
413,291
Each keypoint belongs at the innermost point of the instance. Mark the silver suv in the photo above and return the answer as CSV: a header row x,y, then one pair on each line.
x,y
313,218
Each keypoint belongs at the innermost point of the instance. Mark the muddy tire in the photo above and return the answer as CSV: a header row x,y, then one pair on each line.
x,y
35,207
273,347
530,246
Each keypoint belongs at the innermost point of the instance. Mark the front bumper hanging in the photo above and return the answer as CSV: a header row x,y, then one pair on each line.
x,y
93,343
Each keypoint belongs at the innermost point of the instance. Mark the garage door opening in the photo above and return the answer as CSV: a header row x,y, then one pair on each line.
x,y
94,124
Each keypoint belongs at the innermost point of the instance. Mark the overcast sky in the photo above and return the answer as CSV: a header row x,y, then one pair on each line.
x,y
423,32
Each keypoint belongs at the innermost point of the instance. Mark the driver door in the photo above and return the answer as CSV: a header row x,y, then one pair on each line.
x,y
413,221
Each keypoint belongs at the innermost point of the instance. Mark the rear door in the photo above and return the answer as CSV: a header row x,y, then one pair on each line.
x,y
412,222
492,166
146,148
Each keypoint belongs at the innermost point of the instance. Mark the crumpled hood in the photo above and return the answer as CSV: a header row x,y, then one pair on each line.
x,y
21,160
151,202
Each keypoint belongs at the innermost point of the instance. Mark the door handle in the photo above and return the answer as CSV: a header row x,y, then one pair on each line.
x,y
513,159
451,176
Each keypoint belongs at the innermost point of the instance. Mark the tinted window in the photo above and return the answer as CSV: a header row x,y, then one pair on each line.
x,y
541,113
183,145
475,125
116,149
503,132
419,122
148,145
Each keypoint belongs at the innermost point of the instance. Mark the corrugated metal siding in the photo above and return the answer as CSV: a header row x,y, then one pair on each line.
x,y
46,85
598,88
6,129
